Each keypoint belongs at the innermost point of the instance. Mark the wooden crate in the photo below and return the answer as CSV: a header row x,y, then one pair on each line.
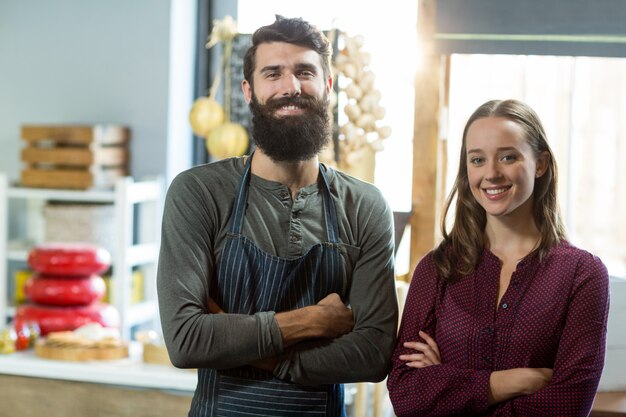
x,y
74,156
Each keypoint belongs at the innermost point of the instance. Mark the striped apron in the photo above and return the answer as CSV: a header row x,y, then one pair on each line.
x,y
250,280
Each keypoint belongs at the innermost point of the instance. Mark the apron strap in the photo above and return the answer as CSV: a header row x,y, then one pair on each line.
x,y
239,209
332,228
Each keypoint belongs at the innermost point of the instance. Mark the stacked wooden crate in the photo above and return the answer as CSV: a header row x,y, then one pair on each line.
x,y
74,156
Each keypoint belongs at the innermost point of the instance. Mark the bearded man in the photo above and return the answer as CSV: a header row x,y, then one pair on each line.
x,y
276,273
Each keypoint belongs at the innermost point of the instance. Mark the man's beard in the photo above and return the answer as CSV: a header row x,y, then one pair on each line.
x,y
291,138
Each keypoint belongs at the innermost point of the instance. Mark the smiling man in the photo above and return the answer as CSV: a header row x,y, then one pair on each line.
x,y
276,273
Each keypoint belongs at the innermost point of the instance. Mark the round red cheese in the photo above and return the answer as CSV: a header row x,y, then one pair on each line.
x,y
69,259
73,291
58,319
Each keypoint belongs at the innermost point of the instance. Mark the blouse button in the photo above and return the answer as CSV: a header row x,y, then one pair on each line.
x,y
505,305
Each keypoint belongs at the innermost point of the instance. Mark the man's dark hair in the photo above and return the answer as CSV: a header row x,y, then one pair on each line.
x,y
290,30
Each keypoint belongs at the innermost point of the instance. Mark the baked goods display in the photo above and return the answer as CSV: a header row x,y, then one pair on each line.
x,y
89,342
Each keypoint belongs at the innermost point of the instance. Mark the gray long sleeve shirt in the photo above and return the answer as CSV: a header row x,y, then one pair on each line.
x,y
195,222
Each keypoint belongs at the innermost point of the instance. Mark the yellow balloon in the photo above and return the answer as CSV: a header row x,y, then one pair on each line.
x,y
206,114
229,139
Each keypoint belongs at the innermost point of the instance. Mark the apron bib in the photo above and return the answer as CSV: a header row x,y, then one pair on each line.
x,y
250,280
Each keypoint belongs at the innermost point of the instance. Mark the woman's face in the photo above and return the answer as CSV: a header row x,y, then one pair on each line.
x,y
502,167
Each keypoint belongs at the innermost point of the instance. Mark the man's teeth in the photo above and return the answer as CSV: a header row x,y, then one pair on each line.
x,y
496,191
290,107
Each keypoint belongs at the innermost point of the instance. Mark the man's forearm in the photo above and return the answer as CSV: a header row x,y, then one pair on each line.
x,y
329,318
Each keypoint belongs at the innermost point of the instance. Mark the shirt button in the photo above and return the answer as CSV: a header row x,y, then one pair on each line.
x,y
505,305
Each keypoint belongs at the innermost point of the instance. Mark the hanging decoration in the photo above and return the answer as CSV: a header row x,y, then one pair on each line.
x,y
207,117
362,135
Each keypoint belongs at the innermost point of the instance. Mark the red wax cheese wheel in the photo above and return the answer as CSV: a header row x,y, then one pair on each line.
x,y
69,259
74,291
59,319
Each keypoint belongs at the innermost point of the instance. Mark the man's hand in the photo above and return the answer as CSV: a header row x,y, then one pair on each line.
x,y
338,319
329,318
214,308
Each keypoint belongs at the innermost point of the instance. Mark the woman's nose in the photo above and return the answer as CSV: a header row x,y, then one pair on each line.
x,y
493,171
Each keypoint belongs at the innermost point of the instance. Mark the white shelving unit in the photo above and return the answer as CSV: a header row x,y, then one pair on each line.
x,y
126,194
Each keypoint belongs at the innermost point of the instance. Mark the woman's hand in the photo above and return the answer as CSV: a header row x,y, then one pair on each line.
x,y
510,383
428,353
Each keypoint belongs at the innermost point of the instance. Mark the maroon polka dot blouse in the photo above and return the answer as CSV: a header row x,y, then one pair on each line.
x,y
553,315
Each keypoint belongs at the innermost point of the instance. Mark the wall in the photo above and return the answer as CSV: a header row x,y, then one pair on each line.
x,y
532,27
71,61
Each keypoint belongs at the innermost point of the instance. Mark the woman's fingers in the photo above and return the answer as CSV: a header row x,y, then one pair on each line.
x,y
418,364
412,357
429,352
430,341
416,360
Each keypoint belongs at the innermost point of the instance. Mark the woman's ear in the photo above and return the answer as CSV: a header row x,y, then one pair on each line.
x,y
542,164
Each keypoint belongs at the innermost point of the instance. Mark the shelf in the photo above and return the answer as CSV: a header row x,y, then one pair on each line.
x,y
142,254
126,255
141,312
17,255
130,372
93,196
139,254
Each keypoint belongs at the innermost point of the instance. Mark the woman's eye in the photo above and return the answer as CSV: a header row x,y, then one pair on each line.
x,y
509,158
476,161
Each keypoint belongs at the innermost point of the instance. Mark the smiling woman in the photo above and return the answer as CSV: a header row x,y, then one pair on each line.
x,y
505,317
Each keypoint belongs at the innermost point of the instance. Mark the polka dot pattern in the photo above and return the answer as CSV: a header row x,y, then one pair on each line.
x,y
553,315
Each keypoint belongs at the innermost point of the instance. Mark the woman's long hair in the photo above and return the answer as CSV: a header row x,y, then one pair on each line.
x,y
460,251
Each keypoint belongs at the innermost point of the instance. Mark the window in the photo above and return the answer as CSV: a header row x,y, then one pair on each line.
x,y
581,102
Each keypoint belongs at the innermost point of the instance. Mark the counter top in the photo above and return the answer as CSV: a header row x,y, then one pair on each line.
x,y
129,372
609,404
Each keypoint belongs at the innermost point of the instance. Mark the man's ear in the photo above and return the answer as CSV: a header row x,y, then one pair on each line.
x,y
329,84
247,90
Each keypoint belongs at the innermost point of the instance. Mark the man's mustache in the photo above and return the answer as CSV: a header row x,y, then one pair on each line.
x,y
304,102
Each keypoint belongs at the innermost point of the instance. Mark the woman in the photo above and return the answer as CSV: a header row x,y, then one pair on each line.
x,y
504,317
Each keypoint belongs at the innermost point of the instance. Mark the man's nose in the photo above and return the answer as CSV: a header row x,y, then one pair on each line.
x,y
291,86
